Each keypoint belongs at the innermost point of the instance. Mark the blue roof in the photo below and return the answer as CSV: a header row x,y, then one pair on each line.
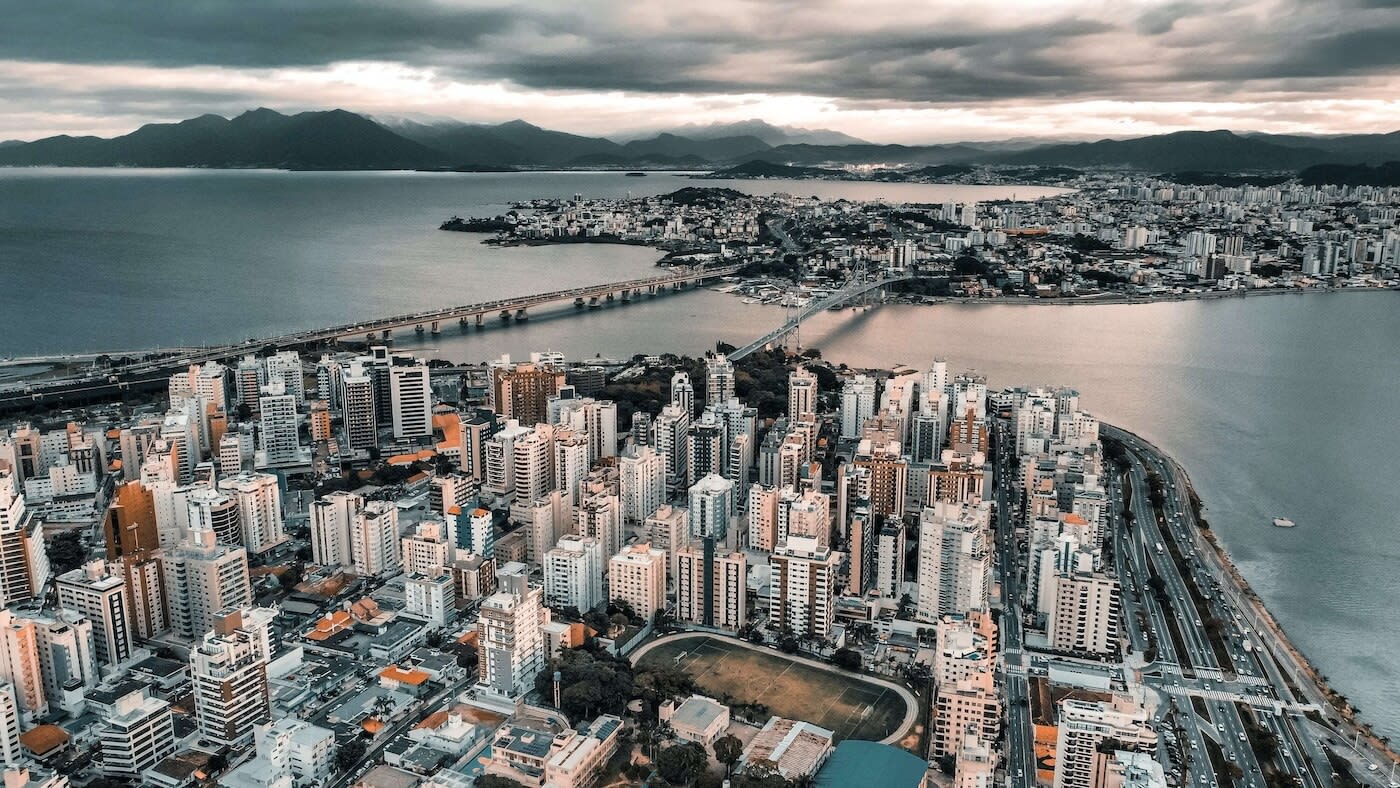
x,y
868,764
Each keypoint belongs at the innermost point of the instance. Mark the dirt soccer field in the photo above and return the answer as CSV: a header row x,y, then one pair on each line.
x,y
851,708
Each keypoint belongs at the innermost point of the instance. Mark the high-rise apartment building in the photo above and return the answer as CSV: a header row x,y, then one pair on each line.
x,y
719,380
955,571
804,581
802,395
137,733
99,593
643,476
259,498
277,432
573,573
228,670
599,515
637,576
711,587
431,596
203,579
1084,618
857,405
1086,724
374,540
522,391
143,572
20,665
358,408
683,393
332,517
426,549
510,640
968,706
24,562
411,395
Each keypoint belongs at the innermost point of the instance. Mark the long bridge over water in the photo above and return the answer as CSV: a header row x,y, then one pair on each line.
x,y
154,374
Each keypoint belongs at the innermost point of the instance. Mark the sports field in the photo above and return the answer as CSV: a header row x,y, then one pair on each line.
x,y
852,708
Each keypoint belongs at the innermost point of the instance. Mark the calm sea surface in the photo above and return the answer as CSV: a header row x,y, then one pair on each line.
x,y
1280,406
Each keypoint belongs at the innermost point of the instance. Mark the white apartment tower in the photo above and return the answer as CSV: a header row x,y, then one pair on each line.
x,y
643,480
374,540
411,395
857,404
1084,725
510,640
259,498
228,670
277,416
802,395
719,380
955,571
637,576
804,581
203,579
102,596
573,573
332,517
137,734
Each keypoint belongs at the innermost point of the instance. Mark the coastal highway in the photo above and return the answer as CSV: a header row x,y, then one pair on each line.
x,y
1251,675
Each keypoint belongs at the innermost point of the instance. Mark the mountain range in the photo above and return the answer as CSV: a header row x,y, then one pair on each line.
x,y
342,140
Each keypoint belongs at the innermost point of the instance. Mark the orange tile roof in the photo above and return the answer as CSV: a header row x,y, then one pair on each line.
x,y
44,739
328,626
413,677
372,724
434,720
1074,519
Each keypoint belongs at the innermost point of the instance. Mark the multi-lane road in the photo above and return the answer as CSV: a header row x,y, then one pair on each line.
x,y
1218,672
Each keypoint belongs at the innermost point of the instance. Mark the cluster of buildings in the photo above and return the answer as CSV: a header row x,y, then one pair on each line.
x,y
862,519
662,220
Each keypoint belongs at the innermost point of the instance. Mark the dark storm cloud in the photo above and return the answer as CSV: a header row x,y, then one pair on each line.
x,y
914,52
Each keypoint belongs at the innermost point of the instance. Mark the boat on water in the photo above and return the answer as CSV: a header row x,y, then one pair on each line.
x,y
1283,522
636,175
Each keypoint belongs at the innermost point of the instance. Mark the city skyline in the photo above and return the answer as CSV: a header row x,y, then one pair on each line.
x,y
896,74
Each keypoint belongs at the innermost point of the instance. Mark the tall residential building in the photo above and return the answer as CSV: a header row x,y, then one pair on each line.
x,y
358,410
596,419
11,752
955,569
210,509
20,665
24,562
861,544
67,658
637,576
857,405
510,641
411,395
571,462
804,577
374,540
522,391
285,367
332,517
498,459
476,532
711,588
968,706
431,596
100,594
668,529
137,733
228,670
277,433
259,498
803,514
889,560
673,441
719,380
599,515
643,472
711,508
888,480
683,393
533,463
1086,724
143,571
706,443
573,573
203,579
426,549
802,395
1084,618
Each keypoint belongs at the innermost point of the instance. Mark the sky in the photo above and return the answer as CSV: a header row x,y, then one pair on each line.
x,y
907,72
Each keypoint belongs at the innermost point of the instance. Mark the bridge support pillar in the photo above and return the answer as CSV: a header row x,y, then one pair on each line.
x,y
462,321
651,290
388,334
610,296
520,316
578,303
437,329
593,302
505,315
418,329
370,336
626,296
480,319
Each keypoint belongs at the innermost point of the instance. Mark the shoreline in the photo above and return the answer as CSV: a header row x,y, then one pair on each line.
x,y
1292,663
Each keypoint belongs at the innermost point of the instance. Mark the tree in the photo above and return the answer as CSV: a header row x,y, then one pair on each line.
x,y
216,764
788,644
433,639
846,658
681,763
350,754
947,764
728,750
66,552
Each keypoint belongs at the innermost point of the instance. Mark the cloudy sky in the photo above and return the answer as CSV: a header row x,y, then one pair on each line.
x,y
884,71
